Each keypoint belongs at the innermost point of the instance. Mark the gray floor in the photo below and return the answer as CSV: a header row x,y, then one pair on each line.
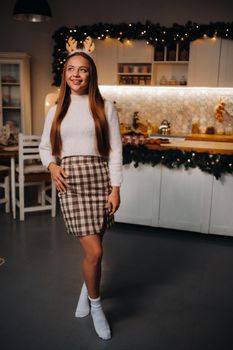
x,y
162,289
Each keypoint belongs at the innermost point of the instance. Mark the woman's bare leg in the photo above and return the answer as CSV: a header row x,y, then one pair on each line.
x,y
93,252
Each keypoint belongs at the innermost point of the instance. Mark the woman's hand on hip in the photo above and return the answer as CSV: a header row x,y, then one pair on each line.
x,y
58,176
113,200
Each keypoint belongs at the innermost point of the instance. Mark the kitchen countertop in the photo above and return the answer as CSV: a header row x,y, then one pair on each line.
x,y
207,137
211,147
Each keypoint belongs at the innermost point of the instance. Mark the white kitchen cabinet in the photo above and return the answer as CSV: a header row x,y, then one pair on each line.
x,y
140,193
226,64
185,199
204,61
221,220
136,51
15,99
189,200
105,57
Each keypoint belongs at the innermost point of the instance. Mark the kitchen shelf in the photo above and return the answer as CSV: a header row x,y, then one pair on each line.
x,y
169,72
10,84
134,73
11,107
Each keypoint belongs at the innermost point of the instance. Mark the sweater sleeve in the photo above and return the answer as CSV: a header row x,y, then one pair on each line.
x,y
45,145
115,157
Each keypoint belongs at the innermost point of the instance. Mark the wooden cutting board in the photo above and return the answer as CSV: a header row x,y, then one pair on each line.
x,y
207,137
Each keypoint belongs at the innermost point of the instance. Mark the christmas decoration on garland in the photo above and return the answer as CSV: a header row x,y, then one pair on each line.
x,y
225,106
154,34
215,164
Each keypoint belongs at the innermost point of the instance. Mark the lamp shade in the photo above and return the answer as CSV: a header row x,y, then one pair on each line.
x,y
32,10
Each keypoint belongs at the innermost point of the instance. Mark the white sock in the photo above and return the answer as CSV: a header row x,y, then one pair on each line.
x,y
100,323
83,307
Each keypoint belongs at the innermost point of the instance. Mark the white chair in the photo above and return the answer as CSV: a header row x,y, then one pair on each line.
x,y
30,172
5,185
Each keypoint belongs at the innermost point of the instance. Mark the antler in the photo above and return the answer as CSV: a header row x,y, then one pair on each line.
x,y
71,44
89,45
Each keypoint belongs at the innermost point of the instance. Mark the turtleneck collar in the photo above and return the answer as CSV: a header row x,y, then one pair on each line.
x,y
77,98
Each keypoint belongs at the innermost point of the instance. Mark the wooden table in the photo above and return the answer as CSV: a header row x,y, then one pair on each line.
x,y
11,154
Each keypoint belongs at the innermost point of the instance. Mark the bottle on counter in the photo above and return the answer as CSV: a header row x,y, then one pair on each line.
x,y
228,129
195,125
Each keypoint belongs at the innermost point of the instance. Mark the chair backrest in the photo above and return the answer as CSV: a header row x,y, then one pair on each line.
x,y
28,150
29,146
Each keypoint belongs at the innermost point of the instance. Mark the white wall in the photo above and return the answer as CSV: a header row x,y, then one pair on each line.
x,y
36,38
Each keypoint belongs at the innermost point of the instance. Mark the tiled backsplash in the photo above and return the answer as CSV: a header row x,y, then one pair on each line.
x,y
179,105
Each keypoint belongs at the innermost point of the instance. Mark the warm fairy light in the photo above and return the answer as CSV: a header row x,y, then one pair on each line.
x,y
147,43
50,100
107,30
205,36
130,25
99,37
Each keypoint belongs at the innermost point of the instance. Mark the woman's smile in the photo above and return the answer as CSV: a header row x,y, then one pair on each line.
x,y
77,75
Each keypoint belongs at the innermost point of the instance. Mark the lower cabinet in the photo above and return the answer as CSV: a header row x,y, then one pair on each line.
x,y
188,200
140,193
185,199
221,218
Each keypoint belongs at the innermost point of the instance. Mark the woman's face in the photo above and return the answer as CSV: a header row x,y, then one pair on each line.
x,y
77,75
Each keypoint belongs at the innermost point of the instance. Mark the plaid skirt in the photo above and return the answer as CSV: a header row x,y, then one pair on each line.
x,y
84,203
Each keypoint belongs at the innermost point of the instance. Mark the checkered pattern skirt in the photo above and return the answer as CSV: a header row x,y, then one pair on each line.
x,y
84,203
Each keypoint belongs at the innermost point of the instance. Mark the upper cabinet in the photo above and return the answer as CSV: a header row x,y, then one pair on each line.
x,y
105,56
207,62
225,65
204,62
211,63
135,51
15,100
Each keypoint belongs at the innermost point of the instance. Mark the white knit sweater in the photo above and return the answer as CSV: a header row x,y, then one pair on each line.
x,y
78,135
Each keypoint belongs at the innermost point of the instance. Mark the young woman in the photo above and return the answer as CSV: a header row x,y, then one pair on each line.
x,y
83,131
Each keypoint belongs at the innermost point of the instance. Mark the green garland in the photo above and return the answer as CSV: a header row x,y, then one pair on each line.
x,y
154,34
215,164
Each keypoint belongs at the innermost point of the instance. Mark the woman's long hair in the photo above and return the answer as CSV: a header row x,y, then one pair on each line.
x,y
96,104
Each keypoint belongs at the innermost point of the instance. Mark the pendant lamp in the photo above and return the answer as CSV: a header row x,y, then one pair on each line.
x,y
32,10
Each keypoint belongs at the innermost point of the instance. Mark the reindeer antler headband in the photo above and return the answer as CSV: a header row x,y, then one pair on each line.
x,y
88,46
